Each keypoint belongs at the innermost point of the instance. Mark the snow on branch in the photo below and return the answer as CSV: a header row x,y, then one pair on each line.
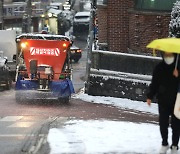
x,y
174,25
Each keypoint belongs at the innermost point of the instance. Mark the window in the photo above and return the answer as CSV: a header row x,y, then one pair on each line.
x,y
156,5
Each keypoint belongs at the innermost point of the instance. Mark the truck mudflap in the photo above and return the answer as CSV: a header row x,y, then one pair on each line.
x,y
29,89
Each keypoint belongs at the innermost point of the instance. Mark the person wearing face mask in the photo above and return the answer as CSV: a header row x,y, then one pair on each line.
x,y
164,86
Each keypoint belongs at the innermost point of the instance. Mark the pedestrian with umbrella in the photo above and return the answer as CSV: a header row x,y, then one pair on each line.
x,y
164,85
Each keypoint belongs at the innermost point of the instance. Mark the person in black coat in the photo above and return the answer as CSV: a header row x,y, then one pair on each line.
x,y
164,86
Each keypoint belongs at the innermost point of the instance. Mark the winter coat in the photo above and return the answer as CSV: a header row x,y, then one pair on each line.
x,y
164,84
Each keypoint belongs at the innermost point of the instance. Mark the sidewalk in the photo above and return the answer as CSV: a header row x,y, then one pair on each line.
x,y
84,114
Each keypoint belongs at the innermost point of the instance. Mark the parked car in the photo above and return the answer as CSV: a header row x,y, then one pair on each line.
x,y
76,53
5,78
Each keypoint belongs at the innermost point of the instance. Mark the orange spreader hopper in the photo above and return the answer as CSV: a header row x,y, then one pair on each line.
x,y
46,52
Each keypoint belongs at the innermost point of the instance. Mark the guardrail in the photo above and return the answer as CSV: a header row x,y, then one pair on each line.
x,y
124,62
121,74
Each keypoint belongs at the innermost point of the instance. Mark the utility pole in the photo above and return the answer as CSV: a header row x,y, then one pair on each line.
x,y
29,14
90,44
2,14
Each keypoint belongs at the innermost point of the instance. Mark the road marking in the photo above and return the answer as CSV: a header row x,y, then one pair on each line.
x,y
22,135
11,118
22,124
34,149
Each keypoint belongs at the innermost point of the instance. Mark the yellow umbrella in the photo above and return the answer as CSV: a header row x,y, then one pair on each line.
x,y
171,45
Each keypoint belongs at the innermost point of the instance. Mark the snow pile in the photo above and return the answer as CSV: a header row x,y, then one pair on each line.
x,y
119,102
96,136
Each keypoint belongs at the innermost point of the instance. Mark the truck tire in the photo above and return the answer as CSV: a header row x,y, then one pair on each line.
x,y
65,100
76,60
8,85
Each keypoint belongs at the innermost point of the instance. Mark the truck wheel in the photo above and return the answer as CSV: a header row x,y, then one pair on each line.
x,y
76,60
8,85
65,100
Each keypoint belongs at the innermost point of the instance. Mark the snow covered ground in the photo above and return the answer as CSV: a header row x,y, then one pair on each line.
x,y
119,102
105,136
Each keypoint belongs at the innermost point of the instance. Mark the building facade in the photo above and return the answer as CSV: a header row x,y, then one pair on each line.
x,y
128,26
15,15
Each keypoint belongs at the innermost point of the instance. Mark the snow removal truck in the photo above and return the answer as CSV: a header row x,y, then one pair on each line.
x,y
43,67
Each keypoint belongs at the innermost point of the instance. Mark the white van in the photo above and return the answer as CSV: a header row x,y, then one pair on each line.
x,y
81,24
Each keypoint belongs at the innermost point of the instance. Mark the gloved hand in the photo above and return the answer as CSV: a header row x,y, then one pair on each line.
x,y
149,102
